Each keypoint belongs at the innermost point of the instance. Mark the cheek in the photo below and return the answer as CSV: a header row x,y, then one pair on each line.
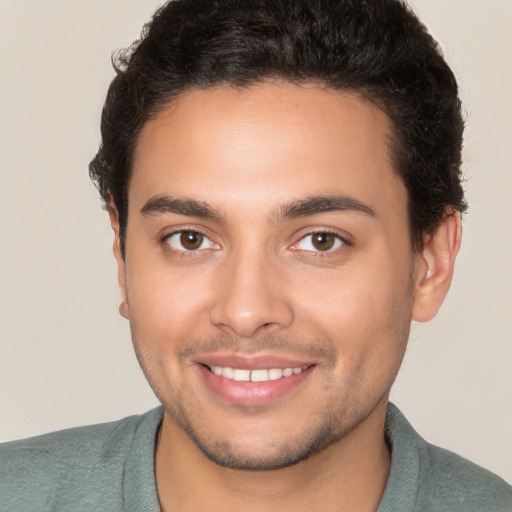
x,y
166,309
167,306
369,328
361,310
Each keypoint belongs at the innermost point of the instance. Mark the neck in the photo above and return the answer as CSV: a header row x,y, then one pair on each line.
x,y
348,475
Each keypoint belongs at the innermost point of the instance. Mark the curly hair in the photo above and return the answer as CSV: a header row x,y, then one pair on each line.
x,y
377,48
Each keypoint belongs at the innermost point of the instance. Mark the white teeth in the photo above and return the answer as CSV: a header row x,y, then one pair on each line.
x,y
241,375
275,373
259,375
262,375
227,372
287,372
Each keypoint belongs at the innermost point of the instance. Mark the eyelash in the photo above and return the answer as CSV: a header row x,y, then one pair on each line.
x,y
326,253
181,252
315,253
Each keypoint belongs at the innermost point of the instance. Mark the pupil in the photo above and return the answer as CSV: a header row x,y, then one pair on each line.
x,y
323,241
191,240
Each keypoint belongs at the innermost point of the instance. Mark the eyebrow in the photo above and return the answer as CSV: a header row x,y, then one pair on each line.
x,y
190,207
323,204
162,204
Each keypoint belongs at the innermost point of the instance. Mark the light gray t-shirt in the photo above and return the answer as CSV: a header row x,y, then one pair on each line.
x,y
110,467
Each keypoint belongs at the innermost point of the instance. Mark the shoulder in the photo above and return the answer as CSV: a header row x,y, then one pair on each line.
x,y
427,478
67,448
456,481
72,464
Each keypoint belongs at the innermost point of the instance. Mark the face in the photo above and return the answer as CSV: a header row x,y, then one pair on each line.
x,y
268,268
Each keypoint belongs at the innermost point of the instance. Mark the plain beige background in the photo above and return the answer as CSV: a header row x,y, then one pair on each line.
x,y
65,354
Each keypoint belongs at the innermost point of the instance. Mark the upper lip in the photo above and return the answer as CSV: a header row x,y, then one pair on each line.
x,y
251,361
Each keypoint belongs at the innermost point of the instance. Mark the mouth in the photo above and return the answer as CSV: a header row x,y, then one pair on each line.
x,y
253,383
259,375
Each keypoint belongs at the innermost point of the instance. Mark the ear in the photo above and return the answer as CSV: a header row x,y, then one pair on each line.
x,y
118,254
435,265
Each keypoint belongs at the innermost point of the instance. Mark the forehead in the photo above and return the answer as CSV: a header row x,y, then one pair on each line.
x,y
267,143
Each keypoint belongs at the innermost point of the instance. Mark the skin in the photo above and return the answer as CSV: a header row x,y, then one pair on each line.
x,y
257,287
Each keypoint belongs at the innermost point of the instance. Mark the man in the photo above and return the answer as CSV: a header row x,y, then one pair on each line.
x,y
283,181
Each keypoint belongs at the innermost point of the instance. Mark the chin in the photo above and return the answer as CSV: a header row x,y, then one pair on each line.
x,y
262,450
263,457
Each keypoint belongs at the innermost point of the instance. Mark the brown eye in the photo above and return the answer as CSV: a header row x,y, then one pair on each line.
x,y
323,241
191,240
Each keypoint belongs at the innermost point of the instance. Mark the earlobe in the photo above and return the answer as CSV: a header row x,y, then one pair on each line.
x,y
435,266
118,254
124,310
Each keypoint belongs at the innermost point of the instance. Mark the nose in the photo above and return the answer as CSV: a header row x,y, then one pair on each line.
x,y
250,297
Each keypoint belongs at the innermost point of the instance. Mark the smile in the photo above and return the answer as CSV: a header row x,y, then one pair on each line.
x,y
253,383
260,375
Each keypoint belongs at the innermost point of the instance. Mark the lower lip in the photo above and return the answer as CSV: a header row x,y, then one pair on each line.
x,y
252,394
